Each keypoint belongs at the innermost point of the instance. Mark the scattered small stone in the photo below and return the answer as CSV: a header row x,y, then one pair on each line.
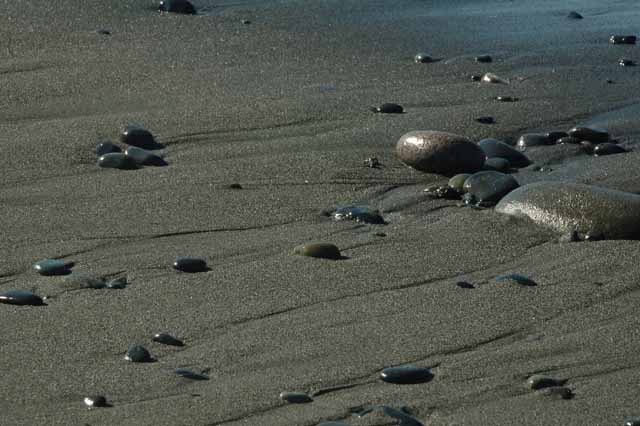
x,y
245,21
554,137
83,281
495,148
96,401
177,6
568,140
591,134
117,160
136,135
53,267
556,392
620,39
406,375
497,164
517,278
21,298
607,148
538,381
117,283
574,15
632,421
104,32
107,148
190,264
624,62
476,78
388,108
138,354
167,339
532,139
486,120
439,152
593,236
188,374
506,99
484,59
492,78
372,162
457,182
144,157
423,58
319,250
464,284
235,186
609,81
295,397
489,187
362,214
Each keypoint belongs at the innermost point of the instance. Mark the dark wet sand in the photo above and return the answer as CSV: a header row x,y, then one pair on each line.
x,y
281,106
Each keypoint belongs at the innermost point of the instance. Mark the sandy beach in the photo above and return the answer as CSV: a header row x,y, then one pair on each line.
x,y
276,97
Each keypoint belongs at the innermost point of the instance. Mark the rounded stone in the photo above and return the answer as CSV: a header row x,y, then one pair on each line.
x,y
319,250
495,148
556,392
83,281
622,39
144,157
574,15
506,99
188,374
539,381
632,421
423,58
607,148
190,264
568,140
626,62
361,214
117,283
177,6
295,397
96,401
117,160
21,298
532,139
553,137
486,120
518,279
107,148
566,206
591,134
389,108
497,164
139,136
457,182
489,186
465,285
167,339
492,78
484,59
406,375
138,354
439,152
53,267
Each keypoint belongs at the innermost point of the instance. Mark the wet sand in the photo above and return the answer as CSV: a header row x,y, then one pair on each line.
x,y
281,106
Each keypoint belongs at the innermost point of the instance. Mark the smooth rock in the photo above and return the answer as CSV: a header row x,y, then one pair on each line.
x,y
556,392
295,397
106,148
626,62
567,206
139,136
517,278
538,381
389,108
138,354
465,284
590,134
319,250
574,15
486,120
83,281
532,139
506,99
362,214
621,39
489,186
553,137
21,298
333,423
484,59
457,182
167,339
144,157
117,283
177,6
439,152
497,164
568,140
53,267
188,374
423,58
406,375
190,264
607,148
495,148
117,160
96,401
632,421
492,78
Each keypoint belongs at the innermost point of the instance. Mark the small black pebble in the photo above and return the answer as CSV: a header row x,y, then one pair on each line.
x,y
177,6
21,298
574,15
620,39
406,375
167,339
486,120
246,21
593,236
476,78
624,62
190,264
96,401
389,108
464,284
484,59
235,186
520,279
506,99
188,374
632,421
104,32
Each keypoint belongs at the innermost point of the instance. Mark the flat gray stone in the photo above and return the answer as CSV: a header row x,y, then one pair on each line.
x,y
567,206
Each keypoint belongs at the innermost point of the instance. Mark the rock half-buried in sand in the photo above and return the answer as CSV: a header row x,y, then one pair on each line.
x,y
489,187
439,152
566,207
320,250
21,297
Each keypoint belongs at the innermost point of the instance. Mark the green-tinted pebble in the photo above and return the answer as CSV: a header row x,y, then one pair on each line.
x,y
295,397
457,182
320,250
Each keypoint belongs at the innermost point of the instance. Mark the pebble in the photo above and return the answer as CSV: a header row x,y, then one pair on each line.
x,y
486,120
591,134
190,264
532,139
139,136
53,267
361,214
167,339
621,39
107,148
625,62
568,140
587,147
439,152
517,278
138,354
235,186
464,284
388,108
144,157
177,6
489,187
117,160
484,59
295,397
20,297
188,374
567,206
553,137
406,375
557,392
574,15
117,283
492,78
632,421
319,250
497,164
83,281
333,423
495,148
538,381
476,78
506,99
423,58
457,182
607,148
96,401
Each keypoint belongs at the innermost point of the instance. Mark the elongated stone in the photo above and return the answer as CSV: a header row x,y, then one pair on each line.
x,y
574,15
607,148
489,186
138,354
190,264
539,381
495,148
423,58
497,164
457,182
484,59
319,250
362,214
117,160
295,397
136,135
53,267
144,157
622,39
117,283
96,401
389,108
406,375
106,148
21,298
532,139
591,134
517,278
191,375
177,6
167,339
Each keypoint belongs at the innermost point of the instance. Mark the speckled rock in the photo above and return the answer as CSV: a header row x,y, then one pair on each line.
x,y
591,134
489,186
532,139
53,267
566,206
295,397
607,148
320,250
439,152
21,298
406,375
495,148
117,160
